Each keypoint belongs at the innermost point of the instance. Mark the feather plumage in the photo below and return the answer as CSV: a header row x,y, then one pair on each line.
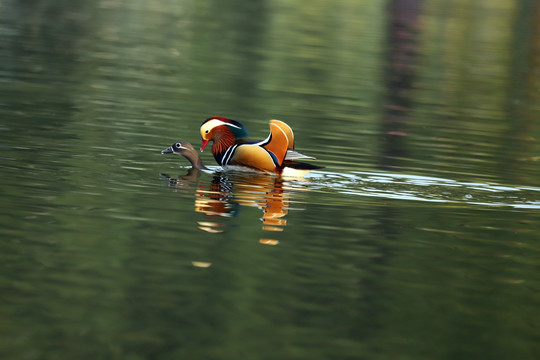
x,y
230,148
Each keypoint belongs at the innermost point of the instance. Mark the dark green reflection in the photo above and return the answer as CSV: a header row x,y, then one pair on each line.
x,y
103,259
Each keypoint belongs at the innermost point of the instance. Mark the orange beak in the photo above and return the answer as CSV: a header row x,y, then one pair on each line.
x,y
203,145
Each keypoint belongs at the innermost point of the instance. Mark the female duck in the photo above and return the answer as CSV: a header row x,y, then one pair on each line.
x,y
186,150
272,154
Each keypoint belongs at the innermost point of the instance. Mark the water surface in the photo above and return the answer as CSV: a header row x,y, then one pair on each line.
x,y
418,240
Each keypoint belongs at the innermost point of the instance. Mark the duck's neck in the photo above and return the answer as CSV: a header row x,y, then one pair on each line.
x,y
222,142
195,160
199,165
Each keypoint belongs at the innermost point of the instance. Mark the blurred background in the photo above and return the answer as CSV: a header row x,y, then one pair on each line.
x,y
418,240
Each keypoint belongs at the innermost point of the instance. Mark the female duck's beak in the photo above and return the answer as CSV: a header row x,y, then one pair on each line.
x,y
203,145
167,151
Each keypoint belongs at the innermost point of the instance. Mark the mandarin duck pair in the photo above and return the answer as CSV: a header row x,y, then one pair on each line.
x,y
275,154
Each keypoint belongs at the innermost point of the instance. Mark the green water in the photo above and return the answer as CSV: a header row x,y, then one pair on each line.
x,y
418,240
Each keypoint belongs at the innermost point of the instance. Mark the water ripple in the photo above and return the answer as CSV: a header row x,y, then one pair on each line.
x,y
427,189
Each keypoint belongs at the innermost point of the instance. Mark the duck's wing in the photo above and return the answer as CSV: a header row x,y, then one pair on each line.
x,y
286,130
290,154
269,153
277,143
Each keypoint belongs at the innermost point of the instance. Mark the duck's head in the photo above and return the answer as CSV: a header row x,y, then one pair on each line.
x,y
185,149
180,148
216,127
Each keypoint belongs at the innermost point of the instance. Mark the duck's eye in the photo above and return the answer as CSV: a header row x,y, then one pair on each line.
x,y
206,131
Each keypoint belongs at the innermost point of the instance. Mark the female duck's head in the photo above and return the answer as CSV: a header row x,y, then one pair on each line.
x,y
185,149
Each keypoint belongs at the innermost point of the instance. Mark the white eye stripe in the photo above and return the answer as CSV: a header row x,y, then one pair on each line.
x,y
215,122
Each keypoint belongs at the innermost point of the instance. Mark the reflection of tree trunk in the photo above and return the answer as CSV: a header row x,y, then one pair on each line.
x,y
401,57
523,95
403,17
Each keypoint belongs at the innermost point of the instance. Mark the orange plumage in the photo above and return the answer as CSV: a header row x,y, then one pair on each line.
x,y
230,148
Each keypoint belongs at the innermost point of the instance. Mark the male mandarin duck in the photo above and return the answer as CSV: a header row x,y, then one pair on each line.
x,y
273,154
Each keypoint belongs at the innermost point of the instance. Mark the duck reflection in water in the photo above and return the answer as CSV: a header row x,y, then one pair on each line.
x,y
231,189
